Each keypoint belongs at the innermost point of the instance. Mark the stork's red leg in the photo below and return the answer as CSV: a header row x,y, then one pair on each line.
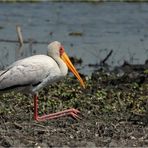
x,y
69,112
35,107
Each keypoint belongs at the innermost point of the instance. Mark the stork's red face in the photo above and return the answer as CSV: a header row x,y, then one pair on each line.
x,y
61,50
67,61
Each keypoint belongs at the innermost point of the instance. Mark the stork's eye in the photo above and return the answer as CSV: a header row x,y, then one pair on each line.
x,y
61,50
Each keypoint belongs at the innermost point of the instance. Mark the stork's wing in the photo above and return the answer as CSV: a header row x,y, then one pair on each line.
x,y
1,72
29,71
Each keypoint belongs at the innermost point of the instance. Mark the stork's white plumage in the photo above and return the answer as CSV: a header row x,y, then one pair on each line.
x,y
31,74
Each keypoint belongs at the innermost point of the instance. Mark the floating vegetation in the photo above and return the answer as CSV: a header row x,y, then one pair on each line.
x,y
75,33
91,1
1,27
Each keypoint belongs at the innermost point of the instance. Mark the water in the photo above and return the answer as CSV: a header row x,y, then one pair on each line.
x,y
101,27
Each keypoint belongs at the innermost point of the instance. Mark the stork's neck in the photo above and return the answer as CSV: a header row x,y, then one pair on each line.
x,y
62,65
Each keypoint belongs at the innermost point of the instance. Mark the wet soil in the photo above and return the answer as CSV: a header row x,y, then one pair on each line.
x,y
114,112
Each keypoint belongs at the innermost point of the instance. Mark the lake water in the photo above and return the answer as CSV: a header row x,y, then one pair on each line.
x,y
87,30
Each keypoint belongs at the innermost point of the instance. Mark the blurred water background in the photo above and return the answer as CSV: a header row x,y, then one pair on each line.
x,y
87,30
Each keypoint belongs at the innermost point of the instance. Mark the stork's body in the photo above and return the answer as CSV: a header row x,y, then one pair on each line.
x,y
31,74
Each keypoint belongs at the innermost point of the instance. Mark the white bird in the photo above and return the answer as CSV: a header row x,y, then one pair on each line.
x,y
31,74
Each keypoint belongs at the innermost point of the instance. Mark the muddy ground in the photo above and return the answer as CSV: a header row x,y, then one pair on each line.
x,y
114,112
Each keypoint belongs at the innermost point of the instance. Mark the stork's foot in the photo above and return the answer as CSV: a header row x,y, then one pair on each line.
x,y
69,112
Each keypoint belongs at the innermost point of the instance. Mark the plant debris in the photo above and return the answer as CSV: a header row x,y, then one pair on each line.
x,y
114,109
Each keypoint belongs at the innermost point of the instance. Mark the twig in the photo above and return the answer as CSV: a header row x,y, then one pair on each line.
x,y
18,126
25,41
19,35
106,58
21,43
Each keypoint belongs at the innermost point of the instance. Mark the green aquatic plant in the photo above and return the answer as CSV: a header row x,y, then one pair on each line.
x,y
105,94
